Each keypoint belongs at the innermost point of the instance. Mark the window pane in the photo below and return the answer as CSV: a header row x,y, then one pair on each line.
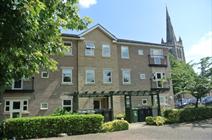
x,y
17,84
16,105
90,76
126,76
66,102
67,108
67,75
7,102
25,108
25,102
7,108
45,74
107,77
125,52
106,50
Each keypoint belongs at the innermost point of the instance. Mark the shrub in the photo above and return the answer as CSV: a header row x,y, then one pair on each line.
x,y
188,114
172,115
1,130
120,116
48,126
150,120
60,111
158,120
116,125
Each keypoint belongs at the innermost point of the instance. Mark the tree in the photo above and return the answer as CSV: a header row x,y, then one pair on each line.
x,y
200,87
30,35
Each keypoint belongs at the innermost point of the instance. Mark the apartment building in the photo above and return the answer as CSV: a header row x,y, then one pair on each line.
x,y
99,72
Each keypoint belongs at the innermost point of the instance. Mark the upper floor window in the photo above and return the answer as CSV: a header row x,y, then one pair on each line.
x,y
157,55
90,77
67,75
44,74
89,48
17,84
44,106
158,77
68,44
124,52
140,52
107,76
105,50
126,78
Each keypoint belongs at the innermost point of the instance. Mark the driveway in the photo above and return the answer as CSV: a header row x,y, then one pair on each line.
x,y
139,131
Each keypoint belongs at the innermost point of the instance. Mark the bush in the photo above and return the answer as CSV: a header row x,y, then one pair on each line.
x,y
120,116
158,120
1,130
188,114
116,125
172,115
48,126
59,112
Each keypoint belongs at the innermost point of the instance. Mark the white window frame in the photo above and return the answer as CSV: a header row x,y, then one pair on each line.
x,y
87,71
163,76
70,46
129,72
16,100
144,100
13,84
92,49
140,52
42,72
71,82
67,98
142,76
106,46
42,107
107,70
122,52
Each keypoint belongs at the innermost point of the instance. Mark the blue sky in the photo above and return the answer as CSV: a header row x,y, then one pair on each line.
x,y
145,20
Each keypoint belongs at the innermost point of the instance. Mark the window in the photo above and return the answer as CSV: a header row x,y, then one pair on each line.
x,y
144,101
17,84
140,52
44,74
107,76
67,105
89,48
16,105
90,76
105,50
126,76
67,76
142,76
124,52
158,76
68,44
44,106
157,55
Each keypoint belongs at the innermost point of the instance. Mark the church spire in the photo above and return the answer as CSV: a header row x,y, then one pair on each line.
x,y
170,36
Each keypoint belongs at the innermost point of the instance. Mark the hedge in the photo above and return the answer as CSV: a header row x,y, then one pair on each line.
x,y
188,114
49,126
116,125
158,120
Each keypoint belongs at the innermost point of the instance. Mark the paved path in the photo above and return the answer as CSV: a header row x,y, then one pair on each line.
x,y
139,131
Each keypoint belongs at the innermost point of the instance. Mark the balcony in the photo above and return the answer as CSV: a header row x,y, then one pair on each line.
x,y
160,84
158,61
22,86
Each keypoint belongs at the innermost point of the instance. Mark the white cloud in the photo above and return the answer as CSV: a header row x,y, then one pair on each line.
x,y
200,49
87,3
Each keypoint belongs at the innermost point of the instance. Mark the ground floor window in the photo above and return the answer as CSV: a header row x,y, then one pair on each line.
x,y
16,107
67,104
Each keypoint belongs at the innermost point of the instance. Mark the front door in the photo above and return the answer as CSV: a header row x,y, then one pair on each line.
x,y
16,109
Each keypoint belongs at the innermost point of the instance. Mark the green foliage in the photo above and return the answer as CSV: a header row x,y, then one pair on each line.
x,y
59,112
158,120
120,116
49,126
172,115
1,129
30,35
188,114
116,125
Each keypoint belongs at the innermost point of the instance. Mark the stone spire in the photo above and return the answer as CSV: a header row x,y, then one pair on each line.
x,y
170,36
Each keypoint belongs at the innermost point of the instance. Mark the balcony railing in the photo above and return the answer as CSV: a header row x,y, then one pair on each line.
x,y
23,86
158,60
160,84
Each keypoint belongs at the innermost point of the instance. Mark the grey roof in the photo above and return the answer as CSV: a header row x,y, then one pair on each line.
x,y
70,35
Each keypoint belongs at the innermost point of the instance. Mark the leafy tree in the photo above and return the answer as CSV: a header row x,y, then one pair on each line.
x,y
30,35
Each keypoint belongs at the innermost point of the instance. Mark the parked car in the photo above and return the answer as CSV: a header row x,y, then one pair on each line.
x,y
207,100
180,103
